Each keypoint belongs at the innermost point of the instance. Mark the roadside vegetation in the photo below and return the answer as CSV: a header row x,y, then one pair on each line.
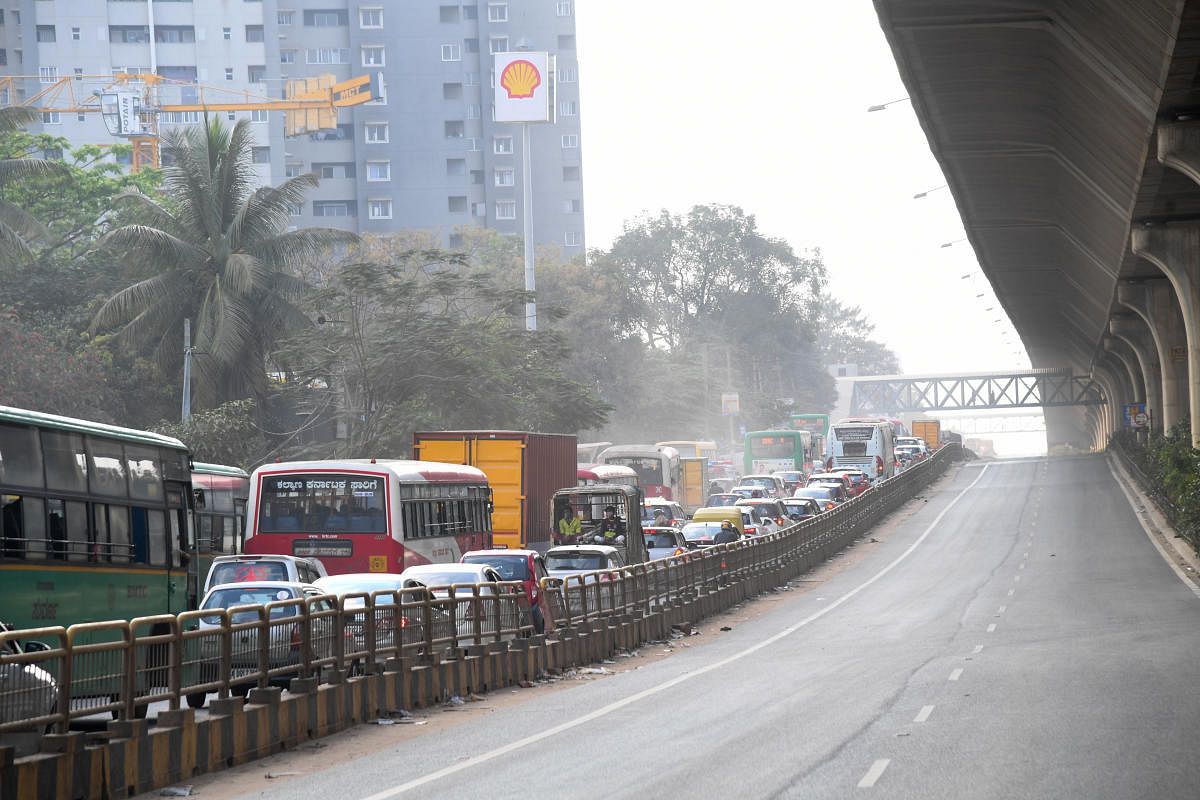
x,y
1170,471
316,342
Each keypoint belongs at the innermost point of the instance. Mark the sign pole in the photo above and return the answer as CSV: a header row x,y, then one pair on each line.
x,y
527,222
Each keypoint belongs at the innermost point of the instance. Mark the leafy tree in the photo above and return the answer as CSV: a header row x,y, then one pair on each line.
x,y
17,225
845,339
228,434
220,257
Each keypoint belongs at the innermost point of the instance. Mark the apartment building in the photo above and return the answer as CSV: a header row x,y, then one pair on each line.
x,y
427,155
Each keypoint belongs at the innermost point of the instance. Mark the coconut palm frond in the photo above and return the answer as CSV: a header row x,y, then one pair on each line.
x,y
155,246
157,213
13,117
13,169
242,274
21,221
292,248
268,210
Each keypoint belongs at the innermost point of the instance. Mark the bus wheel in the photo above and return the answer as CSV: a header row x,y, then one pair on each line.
x,y
196,699
139,712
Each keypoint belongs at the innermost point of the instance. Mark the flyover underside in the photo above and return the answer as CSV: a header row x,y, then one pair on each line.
x,y
897,395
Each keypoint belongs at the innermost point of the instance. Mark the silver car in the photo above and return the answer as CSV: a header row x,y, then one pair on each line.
x,y
26,692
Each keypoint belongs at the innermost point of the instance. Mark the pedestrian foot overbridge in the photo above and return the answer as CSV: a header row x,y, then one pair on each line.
x,y
1069,135
1043,388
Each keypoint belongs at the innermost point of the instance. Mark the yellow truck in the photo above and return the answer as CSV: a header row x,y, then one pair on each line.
x,y
523,469
927,429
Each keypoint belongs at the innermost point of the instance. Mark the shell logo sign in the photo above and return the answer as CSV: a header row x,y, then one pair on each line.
x,y
520,78
524,91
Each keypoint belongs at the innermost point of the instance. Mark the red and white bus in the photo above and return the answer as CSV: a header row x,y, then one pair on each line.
x,y
592,474
658,468
369,515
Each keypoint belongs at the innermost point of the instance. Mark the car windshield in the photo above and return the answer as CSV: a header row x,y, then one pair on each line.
x,y
511,568
582,561
346,584
444,577
239,571
724,499
815,491
701,530
659,540
256,596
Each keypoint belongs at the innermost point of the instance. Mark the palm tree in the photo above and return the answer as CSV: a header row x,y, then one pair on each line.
x,y
220,256
17,226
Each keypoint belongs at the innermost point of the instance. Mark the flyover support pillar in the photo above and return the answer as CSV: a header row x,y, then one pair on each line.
x,y
1123,354
1155,302
1134,333
1176,251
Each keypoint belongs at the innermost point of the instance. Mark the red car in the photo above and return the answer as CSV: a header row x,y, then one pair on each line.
x,y
859,480
526,566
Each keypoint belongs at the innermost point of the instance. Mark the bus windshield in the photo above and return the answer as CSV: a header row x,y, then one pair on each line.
x,y
649,469
322,502
775,446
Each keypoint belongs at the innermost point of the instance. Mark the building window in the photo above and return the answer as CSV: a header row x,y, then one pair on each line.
x,y
175,34
455,129
372,55
471,45
448,13
572,239
570,140
456,204
51,118
474,145
232,117
451,52
375,132
292,170
379,209
568,74
502,145
334,208
471,79
379,170
75,34
497,12
285,17
451,91
260,155
327,55
254,33
469,12
287,56
505,176
564,8
227,34
506,209
229,73
256,73
456,167
473,111
477,179
573,206
568,108
295,209
498,44
4,63
48,74
259,115
566,42
370,17
46,33
326,18
570,173
128,34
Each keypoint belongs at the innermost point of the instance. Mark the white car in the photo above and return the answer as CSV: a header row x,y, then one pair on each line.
x,y
575,559
265,567
773,484
26,691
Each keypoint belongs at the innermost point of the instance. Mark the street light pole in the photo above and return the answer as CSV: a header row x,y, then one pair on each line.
x,y
527,224
187,369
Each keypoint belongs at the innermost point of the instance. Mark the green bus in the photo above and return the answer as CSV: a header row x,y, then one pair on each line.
x,y
219,497
94,523
778,451
818,426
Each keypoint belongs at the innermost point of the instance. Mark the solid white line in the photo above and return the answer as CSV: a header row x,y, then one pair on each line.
x,y
678,679
991,628
877,768
923,714
956,674
978,649
1002,609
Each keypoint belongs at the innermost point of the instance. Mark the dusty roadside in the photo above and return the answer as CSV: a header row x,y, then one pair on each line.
x,y
364,740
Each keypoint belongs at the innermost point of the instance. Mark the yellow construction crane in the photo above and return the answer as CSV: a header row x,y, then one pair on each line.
x,y
131,102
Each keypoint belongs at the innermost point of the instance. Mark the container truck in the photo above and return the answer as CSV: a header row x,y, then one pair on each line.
x,y
927,429
523,470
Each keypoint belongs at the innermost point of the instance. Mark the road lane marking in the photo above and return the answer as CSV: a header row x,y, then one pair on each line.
x,y
1011,592
874,773
991,628
1016,578
678,679
956,674
923,714
1002,609
978,649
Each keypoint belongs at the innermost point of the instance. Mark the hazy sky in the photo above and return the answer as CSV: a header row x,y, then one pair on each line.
x,y
763,105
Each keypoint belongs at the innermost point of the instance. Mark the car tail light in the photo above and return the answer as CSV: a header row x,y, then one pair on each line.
x,y
829,506
678,551
750,529
295,637
829,463
879,465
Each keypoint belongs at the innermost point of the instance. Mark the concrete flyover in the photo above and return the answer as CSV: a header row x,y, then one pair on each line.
x,y
1069,135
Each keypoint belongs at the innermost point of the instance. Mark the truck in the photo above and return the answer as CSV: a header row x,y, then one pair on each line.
x,y
587,504
927,429
523,469
693,482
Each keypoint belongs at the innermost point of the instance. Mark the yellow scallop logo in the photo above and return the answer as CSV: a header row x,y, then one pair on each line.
x,y
520,78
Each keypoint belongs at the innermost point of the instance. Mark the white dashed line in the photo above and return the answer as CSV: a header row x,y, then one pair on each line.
x,y
1001,609
1016,578
978,649
923,714
991,628
1011,592
874,773
956,674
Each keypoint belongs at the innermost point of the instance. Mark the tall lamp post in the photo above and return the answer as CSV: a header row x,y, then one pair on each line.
x,y
524,93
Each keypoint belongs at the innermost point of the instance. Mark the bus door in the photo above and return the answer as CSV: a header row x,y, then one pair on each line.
x,y
181,538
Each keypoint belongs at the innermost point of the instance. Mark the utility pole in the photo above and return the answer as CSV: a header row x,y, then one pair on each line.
x,y
187,369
